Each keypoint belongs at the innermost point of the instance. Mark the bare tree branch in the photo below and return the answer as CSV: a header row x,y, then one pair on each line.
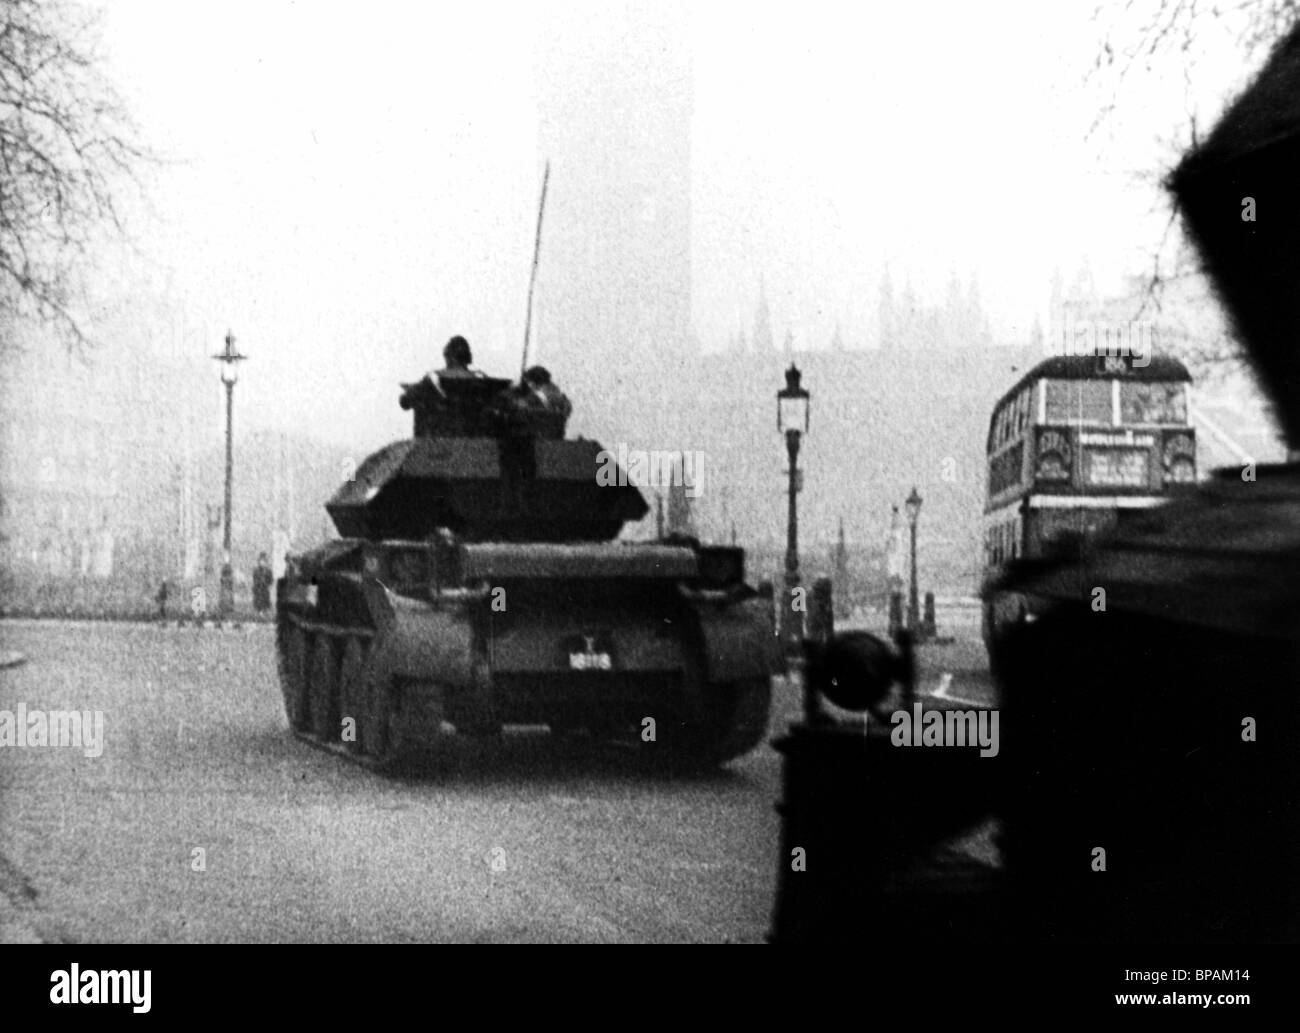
x,y
1133,38
67,148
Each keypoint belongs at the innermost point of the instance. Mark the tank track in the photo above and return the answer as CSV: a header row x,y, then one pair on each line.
x,y
751,708
736,721
328,675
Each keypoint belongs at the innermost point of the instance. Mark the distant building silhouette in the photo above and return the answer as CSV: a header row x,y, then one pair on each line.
x,y
112,468
681,519
907,323
882,419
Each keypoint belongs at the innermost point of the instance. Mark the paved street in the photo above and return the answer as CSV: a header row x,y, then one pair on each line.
x,y
526,843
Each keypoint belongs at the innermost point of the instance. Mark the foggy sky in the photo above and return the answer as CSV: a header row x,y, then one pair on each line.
x,y
347,186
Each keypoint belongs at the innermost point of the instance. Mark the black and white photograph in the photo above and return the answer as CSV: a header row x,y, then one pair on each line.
x,y
645,472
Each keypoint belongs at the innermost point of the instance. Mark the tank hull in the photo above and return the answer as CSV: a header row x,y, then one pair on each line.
x,y
604,639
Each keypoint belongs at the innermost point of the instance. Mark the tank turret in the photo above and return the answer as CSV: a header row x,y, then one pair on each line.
x,y
487,465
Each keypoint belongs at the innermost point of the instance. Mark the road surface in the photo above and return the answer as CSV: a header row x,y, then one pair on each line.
x,y
203,820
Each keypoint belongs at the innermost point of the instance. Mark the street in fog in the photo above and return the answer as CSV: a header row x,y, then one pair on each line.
x,y
524,841
588,374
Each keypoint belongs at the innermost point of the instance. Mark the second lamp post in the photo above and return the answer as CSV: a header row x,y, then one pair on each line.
x,y
913,504
792,412
229,359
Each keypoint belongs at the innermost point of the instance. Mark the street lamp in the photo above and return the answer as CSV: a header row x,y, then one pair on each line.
x,y
792,415
913,507
229,359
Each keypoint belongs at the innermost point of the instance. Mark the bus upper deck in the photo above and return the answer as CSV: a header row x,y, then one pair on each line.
x,y
1076,430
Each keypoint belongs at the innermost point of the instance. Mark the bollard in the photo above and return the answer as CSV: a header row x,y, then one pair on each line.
x,y
821,626
767,592
904,640
821,612
791,621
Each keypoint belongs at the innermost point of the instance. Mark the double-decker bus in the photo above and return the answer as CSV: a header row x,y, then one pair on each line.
x,y
1077,443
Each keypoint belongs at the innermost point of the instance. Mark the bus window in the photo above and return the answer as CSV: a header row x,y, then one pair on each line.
x,y
1153,403
1071,527
1073,401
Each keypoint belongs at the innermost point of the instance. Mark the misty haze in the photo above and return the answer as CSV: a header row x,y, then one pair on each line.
x,y
256,496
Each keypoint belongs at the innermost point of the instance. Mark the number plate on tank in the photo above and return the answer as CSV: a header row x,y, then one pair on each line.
x,y
589,653
591,662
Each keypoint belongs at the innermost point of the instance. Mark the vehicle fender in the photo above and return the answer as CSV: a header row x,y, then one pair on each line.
x,y
424,642
738,640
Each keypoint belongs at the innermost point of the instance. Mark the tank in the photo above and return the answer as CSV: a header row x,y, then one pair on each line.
x,y
478,584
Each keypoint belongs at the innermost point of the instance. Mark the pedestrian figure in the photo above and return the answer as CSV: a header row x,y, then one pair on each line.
x,y
262,579
161,599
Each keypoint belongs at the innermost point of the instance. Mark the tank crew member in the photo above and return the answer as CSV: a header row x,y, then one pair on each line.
x,y
538,380
458,359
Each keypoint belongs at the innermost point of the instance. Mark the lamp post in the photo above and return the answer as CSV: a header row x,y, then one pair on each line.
x,y
792,414
229,359
913,505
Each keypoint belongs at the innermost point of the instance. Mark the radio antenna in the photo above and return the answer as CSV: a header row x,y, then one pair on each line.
x,y
532,279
